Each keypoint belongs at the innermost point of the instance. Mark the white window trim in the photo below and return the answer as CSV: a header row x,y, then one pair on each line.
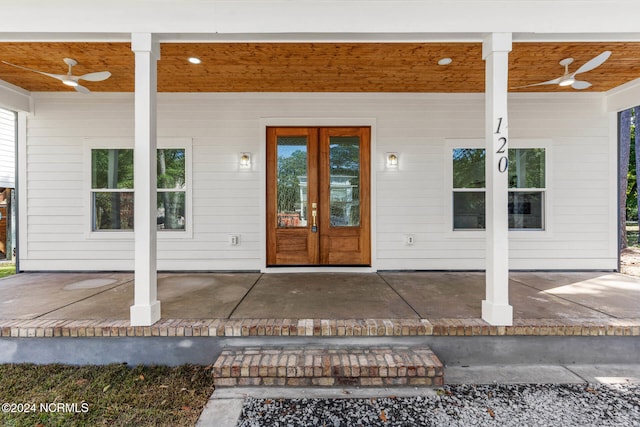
x,y
128,143
519,234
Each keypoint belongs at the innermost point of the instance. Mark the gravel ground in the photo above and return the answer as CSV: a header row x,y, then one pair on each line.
x,y
460,405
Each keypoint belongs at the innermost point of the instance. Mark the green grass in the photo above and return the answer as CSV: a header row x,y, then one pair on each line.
x,y
111,395
7,270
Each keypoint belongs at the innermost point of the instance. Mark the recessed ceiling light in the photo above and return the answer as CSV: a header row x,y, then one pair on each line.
x,y
445,61
194,60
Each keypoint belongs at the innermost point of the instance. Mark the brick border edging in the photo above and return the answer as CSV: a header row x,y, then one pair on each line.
x,y
317,328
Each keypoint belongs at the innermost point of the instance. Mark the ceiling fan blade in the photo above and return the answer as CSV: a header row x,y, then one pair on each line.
x,y
82,89
578,84
594,62
55,76
95,77
548,82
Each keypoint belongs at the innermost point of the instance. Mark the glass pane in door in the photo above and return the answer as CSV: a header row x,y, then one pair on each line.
x,y
292,181
344,174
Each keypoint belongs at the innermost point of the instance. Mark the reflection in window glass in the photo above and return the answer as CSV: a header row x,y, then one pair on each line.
x,y
112,210
112,191
171,210
526,168
468,210
468,168
171,213
344,164
526,210
292,181
171,168
112,168
527,182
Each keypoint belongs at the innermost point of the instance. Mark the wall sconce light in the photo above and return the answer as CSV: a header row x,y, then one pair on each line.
x,y
245,160
392,160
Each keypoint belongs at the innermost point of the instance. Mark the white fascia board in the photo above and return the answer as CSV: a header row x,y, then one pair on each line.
x,y
14,98
321,16
577,37
623,97
325,37
13,37
306,37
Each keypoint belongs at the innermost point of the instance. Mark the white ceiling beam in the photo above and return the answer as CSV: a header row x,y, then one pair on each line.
x,y
623,97
14,98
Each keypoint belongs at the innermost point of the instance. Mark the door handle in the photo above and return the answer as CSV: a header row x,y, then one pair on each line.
x,y
314,215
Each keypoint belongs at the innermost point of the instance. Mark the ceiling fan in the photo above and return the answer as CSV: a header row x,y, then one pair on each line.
x,y
569,79
69,79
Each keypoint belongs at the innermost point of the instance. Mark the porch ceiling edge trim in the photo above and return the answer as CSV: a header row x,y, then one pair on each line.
x,y
623,97
14,97
355,37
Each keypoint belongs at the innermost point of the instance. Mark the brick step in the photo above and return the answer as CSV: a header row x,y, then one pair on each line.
x,y
328,366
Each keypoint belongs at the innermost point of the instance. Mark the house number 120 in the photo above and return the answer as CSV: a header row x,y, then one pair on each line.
x,y
503,161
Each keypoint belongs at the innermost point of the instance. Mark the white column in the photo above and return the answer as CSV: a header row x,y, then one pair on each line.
x,y
146,308
495,51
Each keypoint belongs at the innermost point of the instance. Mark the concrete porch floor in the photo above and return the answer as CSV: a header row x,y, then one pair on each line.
x,y
590,297
559,318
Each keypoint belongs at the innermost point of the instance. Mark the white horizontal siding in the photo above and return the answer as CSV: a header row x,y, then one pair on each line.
x,y
7,148
410,200
579,210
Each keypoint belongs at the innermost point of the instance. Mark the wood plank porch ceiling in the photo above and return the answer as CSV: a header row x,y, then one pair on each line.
x,y
317,67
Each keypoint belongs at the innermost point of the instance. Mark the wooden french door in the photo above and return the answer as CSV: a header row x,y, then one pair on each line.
x,y
318,196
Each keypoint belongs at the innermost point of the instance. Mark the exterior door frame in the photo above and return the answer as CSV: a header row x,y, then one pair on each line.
x,y
376,160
